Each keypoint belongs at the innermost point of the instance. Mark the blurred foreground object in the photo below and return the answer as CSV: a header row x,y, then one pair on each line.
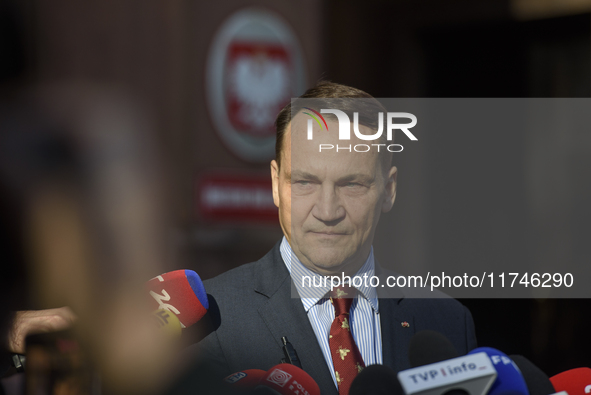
x,y
37,321
82,162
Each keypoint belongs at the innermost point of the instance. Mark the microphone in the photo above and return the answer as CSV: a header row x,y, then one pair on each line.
x,y
537,381
245,380
574,381
427,347
376,380
181,292
509,379
287,379
167,322
471,374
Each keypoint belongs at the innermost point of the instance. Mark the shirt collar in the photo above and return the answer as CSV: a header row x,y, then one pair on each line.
x,y
321,285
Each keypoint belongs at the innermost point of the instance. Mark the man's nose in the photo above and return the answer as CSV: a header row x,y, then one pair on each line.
x,y
328,207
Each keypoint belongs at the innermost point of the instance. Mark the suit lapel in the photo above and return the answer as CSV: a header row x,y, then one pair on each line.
x,y
285,316
394,317
395,335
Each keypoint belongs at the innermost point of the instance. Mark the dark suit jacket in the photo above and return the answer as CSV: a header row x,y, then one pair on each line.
x,y
257,310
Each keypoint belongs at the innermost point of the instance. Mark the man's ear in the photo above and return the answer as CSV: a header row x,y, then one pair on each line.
x,y
275,181
390,190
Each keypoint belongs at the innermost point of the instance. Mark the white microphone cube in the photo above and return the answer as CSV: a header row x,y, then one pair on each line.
x,y
474,374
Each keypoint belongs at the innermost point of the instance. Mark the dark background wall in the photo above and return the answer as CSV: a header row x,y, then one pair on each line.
x,y
463,49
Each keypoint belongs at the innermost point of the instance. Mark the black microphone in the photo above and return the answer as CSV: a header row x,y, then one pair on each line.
x,y
427,347
376,380
536,380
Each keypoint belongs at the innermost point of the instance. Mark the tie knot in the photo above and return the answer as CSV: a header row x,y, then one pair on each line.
x,y
342,298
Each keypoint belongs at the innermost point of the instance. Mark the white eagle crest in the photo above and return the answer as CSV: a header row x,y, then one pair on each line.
x,y
260,83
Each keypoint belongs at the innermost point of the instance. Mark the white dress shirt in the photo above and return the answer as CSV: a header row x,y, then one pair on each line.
x,y
364,317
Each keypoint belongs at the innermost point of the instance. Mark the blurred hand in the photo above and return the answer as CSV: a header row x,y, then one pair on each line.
x,y
37,321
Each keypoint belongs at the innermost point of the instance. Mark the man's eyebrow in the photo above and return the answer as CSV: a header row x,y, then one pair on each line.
x,y
303,175
357,177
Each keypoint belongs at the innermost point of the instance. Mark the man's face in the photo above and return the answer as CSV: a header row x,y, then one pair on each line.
x,y
329,203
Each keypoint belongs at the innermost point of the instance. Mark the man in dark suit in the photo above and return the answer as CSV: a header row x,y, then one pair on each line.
x,y
329,205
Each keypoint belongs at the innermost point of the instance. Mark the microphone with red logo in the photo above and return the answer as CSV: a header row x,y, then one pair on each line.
x,y
182,293
244,381
574,381
286,379
167,322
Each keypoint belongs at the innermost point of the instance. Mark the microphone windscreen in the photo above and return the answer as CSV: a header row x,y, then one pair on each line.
x,y
288,379
537,381
427,347
575,381
509,379
245,380
167,322
180,292
376,380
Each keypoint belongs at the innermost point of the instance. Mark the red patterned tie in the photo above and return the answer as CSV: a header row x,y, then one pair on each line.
x,y
346,358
